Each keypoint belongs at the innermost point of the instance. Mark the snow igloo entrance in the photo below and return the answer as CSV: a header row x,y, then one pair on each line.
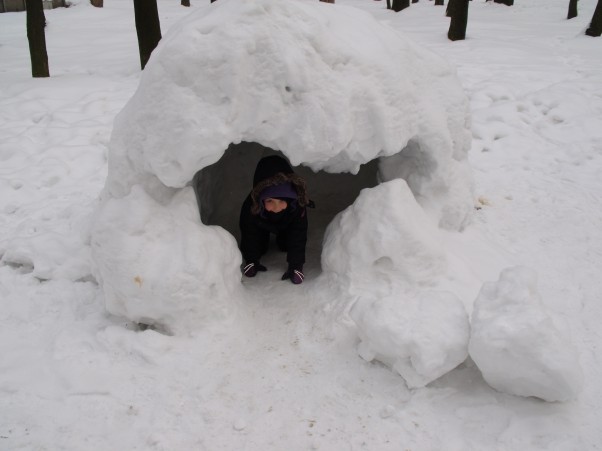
x,y
222,187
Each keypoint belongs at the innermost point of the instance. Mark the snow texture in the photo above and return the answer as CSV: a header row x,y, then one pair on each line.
x,y
421,335
384,239
282,74
169,263
384,251
516,344
285,374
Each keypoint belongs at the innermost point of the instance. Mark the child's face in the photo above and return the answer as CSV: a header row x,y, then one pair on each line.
x,y
274,205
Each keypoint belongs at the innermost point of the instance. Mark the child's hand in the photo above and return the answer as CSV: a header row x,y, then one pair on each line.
x,y
295,275
250,269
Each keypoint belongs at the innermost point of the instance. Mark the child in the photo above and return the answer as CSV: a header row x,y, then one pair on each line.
x,y
276,205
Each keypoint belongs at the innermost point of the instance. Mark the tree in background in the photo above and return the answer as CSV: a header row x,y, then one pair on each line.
x,y
399,5
449,9
148,28
572,9
36,21
595,27
97,3
459,19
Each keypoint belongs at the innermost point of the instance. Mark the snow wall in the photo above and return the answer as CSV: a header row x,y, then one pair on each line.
x,y
329,87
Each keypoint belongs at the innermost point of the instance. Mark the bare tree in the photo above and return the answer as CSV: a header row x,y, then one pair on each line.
x,y
459,19
449,9
148,28
572,9
36,22
399,5
595,27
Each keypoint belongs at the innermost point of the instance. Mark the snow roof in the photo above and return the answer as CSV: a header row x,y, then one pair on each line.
x,y
332,88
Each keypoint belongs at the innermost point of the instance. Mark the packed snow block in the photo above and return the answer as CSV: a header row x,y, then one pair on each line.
x,y
516,344
158,265
386,252
421,335
383,240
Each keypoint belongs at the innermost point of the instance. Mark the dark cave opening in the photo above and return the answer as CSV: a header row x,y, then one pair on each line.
x,y
222,187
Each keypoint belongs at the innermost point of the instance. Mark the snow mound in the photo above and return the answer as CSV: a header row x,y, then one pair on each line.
x,y
382,240
143,281
385,252
516,344
330,87
420,335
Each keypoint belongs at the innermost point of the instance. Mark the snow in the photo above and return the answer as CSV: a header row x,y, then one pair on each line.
x,y
383,239
422,337
509,316
285,75
160,269
273,73
278,366
384,254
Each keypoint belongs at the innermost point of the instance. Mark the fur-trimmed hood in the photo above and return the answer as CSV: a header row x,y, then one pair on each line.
x,y
275,170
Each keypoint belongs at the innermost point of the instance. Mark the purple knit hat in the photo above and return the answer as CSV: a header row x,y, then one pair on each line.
x,y
284,190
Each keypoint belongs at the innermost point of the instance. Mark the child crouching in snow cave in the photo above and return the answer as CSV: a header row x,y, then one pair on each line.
x,y
276,205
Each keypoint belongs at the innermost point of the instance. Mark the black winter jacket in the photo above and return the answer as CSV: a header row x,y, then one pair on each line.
x,y
291,226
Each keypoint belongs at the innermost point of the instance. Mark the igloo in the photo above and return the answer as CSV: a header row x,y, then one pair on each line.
x,y
348,100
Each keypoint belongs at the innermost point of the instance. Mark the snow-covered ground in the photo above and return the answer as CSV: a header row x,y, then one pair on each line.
x,y
286,374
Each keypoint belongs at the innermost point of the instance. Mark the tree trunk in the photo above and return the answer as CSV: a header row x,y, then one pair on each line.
x,y
572,9
595,27
97,3
36,21
185,3
450,7
459,19
148,28
438,2
399,5
505,2
388,4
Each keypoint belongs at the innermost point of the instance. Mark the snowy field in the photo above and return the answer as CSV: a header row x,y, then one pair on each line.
x,y
288,373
